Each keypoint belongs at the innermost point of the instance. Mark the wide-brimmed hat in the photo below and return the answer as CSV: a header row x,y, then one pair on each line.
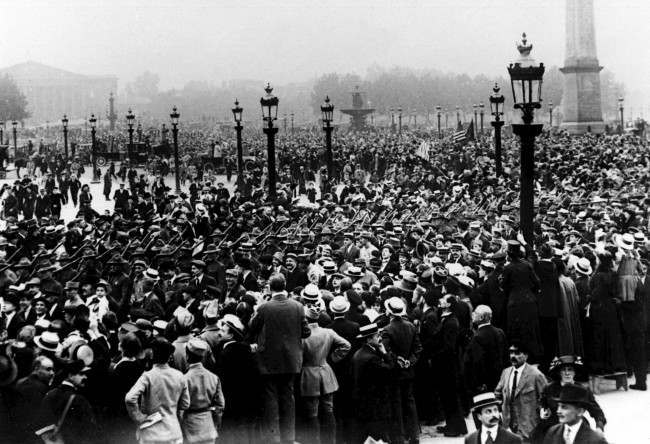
x,y
48,340
583,266
367,330
395,306
235,324
354,272
339,305
568,360
484,400
574,394
408,282
310,293
626,241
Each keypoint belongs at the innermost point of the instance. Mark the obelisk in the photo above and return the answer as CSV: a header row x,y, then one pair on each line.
x,y
581,105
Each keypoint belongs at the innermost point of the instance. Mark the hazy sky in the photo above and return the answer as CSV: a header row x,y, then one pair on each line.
x,y
287,40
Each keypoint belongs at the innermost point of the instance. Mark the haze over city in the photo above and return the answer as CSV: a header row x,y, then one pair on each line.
x,y
292,40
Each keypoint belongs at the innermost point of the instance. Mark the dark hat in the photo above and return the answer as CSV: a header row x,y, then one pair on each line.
x,y
367,330
8,370
568,360
574,394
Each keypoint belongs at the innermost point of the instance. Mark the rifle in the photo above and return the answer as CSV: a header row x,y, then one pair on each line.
x,y
15,253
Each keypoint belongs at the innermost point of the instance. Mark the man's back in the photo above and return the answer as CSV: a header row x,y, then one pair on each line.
x,y
279,327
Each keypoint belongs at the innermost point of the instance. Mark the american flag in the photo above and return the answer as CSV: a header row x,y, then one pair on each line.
x,y
463,136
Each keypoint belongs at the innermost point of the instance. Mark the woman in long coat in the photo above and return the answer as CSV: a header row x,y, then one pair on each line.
x,y
569,329
520,286
604,350
108,184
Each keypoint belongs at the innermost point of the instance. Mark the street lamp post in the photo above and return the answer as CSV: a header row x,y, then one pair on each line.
x,y
399,120
174,116
620,109
14,125
550,115
269,105
526,79
475,106
291,122
237,113
438,110
392,119
93,147
496,106
64,121
458,116
2,128
327,109
285,123
482,108
415,118
130,117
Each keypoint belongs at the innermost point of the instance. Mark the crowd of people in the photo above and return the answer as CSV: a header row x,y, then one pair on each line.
x,y
397,293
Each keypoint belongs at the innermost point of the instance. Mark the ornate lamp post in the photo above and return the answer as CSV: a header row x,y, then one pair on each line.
x,y
174,116
392,119
439,111
399,120
2,128
526,79
269,105
64,122
475,107
482,109
14,126
458,116
550,115
130,118
496,106
327,109
291,122
237,113
620,109
285,123
93,149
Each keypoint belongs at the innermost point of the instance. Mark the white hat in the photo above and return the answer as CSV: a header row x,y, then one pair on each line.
x,y
395,306
583,266
626,241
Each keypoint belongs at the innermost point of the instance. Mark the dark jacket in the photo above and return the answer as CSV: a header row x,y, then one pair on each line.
x,y
549,294
401,340
371,378
585,435
503,437
80,425
485,358
279,327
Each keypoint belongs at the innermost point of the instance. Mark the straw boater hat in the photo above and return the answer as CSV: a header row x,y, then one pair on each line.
x,y
626,241
395,306
339,305
310,293
583,266
484,400
367,330
48,341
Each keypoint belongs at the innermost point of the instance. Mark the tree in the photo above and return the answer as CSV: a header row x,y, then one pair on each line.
x,y
13,103
144,86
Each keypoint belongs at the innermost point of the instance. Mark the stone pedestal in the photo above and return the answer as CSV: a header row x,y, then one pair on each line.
x,y
581,98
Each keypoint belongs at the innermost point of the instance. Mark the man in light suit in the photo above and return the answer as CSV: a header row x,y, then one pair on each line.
x,y
520,388
573,428
487,409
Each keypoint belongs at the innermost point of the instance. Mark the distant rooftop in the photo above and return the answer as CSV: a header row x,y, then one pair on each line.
x,y
35,70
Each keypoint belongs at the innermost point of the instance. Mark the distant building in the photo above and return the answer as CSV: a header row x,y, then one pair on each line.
x,y
52,92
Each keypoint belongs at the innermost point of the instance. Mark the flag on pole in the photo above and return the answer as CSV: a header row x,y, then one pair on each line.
x,y
463,136
423,150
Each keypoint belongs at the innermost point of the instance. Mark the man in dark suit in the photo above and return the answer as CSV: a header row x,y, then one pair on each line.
x,y
403,345
121,198
12,319
296,277
486,409
80,425
349,250
348,330
200,280
486,354
372,373
277,331
573,428
249,280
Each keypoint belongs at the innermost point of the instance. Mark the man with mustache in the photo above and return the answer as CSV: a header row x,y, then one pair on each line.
x,y
487,409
